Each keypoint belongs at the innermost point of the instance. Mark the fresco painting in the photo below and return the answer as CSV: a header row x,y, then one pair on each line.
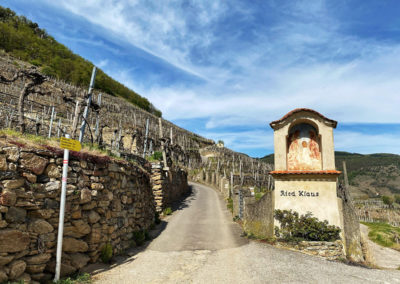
x,y
304,152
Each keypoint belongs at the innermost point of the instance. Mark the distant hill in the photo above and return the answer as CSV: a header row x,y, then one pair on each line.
x,y
369,175
24,40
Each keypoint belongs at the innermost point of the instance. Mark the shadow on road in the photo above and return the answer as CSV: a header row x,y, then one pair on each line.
x,y
129,255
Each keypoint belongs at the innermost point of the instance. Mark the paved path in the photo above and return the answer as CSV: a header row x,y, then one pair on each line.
x,y
201,244
381,256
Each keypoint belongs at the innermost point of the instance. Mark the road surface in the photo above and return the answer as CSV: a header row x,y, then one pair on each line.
x,y
201,244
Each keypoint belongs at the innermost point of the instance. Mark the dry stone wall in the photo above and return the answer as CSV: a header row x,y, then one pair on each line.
x,y
258,219
328,250
107,201
169,185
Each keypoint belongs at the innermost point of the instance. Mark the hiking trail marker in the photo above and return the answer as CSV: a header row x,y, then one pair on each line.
x,y
70,144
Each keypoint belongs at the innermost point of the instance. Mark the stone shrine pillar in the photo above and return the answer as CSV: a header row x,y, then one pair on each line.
x,y
305,174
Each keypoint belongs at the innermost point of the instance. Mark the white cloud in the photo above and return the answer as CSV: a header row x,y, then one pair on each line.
x,y
301,59
102,63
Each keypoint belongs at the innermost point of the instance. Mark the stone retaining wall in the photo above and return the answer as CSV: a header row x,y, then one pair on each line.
x,y
328,250
258,219
169,185
107,201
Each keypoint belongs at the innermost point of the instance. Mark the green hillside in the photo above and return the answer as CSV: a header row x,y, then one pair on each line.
x,y
24,39
369,175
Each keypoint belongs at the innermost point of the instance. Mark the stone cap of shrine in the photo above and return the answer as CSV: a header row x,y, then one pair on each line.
x,y
305,172
275,124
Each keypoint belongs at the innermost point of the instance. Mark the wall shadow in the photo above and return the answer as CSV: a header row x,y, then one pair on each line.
x,y
129,255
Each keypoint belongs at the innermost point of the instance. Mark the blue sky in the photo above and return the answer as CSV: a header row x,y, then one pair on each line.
x,y
225,69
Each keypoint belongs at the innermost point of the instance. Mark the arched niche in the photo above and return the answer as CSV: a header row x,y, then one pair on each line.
x,y
303,147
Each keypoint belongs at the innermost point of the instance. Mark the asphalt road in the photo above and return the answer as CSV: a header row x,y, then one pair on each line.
x,y
201,244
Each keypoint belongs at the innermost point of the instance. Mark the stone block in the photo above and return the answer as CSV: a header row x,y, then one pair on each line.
x,y
86,196
97,186
53,186
93,217
74,245
3,276
8,197
3,224
38,259
79,260
52,171
16,215
12,167
3,209
17,268
66,268
39,276
40,226
12,154
5,260
41,213
30,177
76,214
95,236
25,278
13,184
35,268
34,163
3,163
81,227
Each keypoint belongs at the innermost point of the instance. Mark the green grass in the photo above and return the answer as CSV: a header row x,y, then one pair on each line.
x,y
258,195
30,137
384,234
79,279
167,211
230,204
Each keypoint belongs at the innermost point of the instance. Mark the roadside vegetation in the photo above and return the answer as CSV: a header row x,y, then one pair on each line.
x,y
78,279
296,228
384,234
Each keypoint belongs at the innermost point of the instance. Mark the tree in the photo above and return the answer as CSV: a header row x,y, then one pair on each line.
x,y
387,200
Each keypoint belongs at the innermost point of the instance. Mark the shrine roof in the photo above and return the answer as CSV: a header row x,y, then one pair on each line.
x,y
332,122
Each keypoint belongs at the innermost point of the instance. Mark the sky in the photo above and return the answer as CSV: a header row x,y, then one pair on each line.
x,y
226,69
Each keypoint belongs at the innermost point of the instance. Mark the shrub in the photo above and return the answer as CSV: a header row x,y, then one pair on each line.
x,y
139,237
397,199
157,156
106,253
387,200
295,227
167,211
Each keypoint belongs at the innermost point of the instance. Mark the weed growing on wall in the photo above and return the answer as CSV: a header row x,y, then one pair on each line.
x,y
167,211
230,204
106,253
295,227
157,156
140,237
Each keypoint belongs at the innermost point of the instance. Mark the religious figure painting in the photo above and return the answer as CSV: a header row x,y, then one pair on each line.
x,y
304,151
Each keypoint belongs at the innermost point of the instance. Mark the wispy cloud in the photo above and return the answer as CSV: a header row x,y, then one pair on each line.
x,y
254,61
